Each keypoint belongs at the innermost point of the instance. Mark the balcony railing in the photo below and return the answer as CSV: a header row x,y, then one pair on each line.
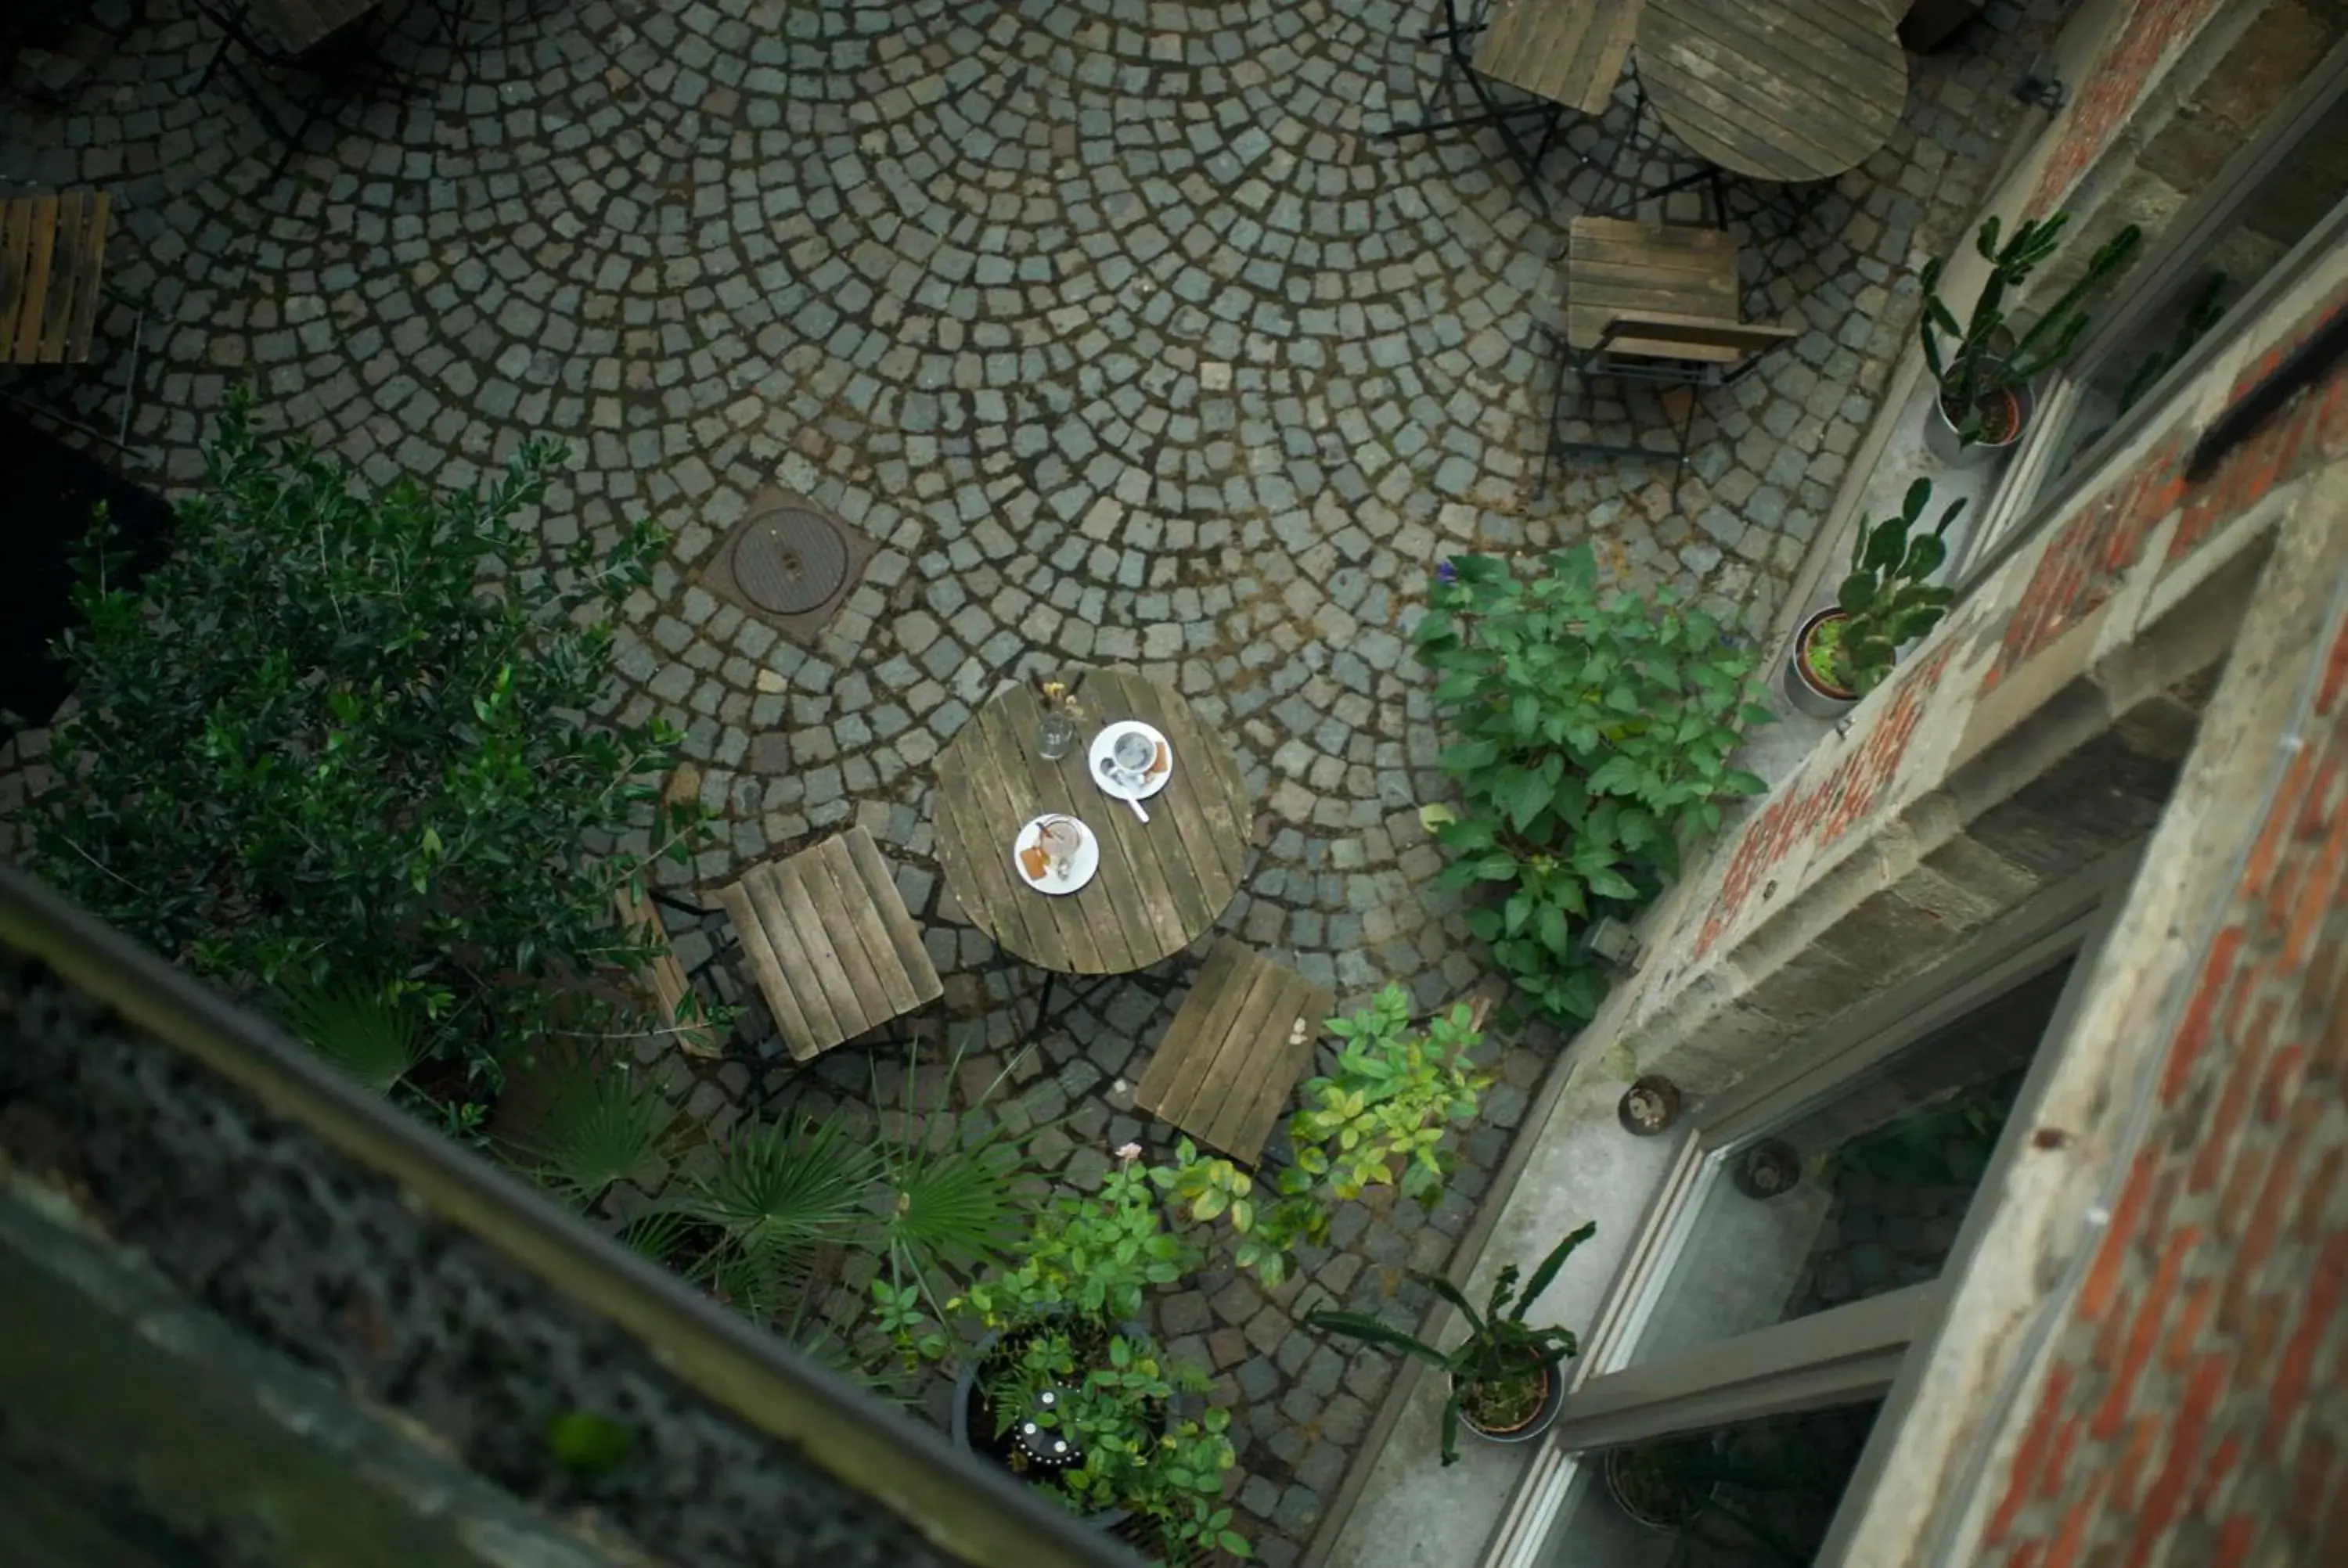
x,y
336,1231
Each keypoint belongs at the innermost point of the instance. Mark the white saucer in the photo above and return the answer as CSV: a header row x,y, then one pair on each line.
x,y
1119,786
1080,869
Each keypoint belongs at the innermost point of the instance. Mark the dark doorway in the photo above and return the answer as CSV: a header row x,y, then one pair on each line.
x,y
46,491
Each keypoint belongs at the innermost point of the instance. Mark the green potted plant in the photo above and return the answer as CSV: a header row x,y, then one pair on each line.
x,y
1059,1382
1844,652
1377,1121
1507,1381
1765,1487
1983,370
1591,732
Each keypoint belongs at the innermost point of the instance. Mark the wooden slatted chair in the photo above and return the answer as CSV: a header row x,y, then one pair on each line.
x,y
1653,303
1568,51
1567,54
52,272
1235,1050
672,988
833,948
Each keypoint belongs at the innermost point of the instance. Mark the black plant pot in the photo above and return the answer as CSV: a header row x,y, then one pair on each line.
x,y
1544,1416
964,1416
1642,1510
1651,1105
1768,1170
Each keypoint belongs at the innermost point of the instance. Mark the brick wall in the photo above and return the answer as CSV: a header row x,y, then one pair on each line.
x,y
2087,557
2141,46
2192,1414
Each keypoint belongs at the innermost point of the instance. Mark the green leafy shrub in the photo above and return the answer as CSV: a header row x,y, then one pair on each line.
x,y
1592,737
1377,1121
341,737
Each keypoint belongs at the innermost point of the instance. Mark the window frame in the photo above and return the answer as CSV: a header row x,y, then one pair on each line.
x,y
2028,492
1860,1350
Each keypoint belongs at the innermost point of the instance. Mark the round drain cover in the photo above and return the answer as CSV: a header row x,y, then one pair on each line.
x,y
790,561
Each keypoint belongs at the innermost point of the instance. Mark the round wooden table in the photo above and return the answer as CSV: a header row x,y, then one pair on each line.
x,y
1161,885
1785,90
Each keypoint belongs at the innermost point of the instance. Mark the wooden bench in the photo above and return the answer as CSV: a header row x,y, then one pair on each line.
x,y
833,948
670,986
1234,1050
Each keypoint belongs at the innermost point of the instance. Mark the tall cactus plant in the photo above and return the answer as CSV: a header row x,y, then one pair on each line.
x,y
1886,600
1972,366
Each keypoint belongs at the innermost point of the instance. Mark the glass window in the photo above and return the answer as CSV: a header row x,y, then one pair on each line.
x,y
1858,1194
1758,1494
2279,212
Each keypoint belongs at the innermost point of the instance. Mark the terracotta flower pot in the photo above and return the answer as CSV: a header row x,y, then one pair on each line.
x,y
1543,1416
1810,691
2009,417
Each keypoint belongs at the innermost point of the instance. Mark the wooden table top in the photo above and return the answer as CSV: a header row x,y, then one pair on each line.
x,y
1161,885
1784,90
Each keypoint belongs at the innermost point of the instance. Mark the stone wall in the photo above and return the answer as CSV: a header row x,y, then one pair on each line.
x,y
2190,1406
2162,98
2052,712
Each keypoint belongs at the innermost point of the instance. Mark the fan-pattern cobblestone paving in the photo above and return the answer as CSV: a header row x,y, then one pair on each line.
x,y
1112,326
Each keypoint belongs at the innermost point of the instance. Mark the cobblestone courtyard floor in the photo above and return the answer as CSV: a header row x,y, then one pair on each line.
x,y
1112,327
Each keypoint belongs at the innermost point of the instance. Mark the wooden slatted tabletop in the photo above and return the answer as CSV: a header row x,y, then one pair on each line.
x,y
1161,885
1784,90
1567,51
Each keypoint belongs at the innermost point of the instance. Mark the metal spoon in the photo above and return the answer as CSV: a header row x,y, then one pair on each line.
x,y
1108,771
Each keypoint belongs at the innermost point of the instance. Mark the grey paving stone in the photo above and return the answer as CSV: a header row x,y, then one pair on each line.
x,y
1061,457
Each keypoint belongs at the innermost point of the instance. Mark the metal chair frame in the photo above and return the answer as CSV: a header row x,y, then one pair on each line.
x,y
1458,63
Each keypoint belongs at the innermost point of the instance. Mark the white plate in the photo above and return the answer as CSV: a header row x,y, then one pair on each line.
x,y
1080,870
1118,785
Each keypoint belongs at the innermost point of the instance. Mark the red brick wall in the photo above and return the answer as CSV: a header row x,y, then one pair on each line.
x,y
2196,1409
2082,566
2144,41
1823,813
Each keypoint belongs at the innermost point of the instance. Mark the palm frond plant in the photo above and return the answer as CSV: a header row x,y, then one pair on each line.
x,y
602,1124
787,1184
958,1192
780,1191
370,1032
658,1234
1502,1373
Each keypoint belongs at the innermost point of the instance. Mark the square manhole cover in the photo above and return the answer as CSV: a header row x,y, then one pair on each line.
x,y
790,562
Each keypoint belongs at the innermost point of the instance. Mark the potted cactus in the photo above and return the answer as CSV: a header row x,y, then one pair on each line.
x,y
1983,370
1844,652
1506,1380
